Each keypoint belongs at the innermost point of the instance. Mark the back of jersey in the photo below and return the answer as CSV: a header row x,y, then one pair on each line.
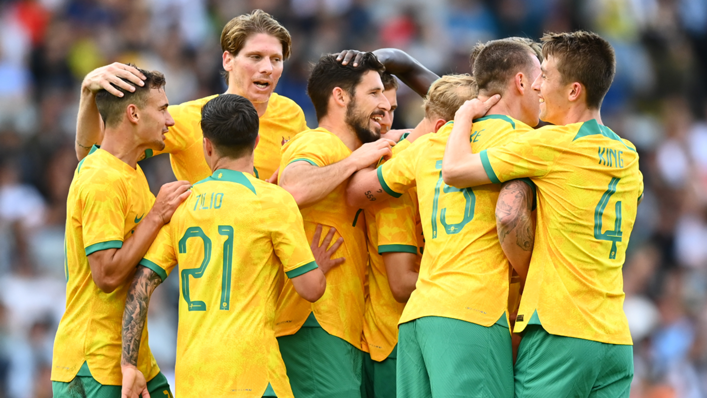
x,y
588,187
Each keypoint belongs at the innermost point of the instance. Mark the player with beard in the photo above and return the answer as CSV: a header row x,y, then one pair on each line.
x,y
315,167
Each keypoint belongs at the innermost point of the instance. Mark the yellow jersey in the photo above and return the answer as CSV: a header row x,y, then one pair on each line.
x,y
107,199
282,120
232,238
464,273
391,228
588,188
340,310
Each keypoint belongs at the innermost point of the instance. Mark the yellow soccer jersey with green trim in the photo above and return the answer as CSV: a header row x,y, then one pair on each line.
x,y
341,308
588,187
282,120
390,228
233,238
464,272
107,199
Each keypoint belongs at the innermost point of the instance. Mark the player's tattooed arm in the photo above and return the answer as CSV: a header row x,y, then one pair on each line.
x,y
399,63
135,314
515,223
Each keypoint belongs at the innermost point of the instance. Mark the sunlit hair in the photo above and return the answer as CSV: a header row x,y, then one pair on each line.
x,y
447,95
583,57
535,46
497,61
112,108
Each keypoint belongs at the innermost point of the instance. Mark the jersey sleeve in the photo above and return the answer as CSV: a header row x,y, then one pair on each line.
x,y
289,239
395,222
161,256
640,186
103,215
398,174
529,155
310,148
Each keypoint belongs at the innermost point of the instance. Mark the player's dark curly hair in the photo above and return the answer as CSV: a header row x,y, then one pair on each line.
x,y
329,73
231,123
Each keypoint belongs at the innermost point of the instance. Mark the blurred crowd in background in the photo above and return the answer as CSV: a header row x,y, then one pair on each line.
x,y
658,101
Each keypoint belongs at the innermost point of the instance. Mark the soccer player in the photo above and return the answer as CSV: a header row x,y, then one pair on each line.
x,y
255,47
232,240
395,243
454,337
112,218
321,342
576,340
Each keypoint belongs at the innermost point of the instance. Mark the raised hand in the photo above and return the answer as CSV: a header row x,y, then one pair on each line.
x,y
115,73
347,56
476,108
171,195
322,255
371,152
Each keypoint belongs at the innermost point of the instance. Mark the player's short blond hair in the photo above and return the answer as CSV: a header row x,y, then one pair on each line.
x,y
238,29
447,94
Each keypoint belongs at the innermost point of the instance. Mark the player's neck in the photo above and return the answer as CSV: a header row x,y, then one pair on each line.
x,y
421,129
341,129
580,114
122,146
242,164
260,107
508,106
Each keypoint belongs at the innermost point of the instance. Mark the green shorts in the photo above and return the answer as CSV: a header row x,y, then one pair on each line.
x,y
88,387
558,366
445,357
379,377
320,365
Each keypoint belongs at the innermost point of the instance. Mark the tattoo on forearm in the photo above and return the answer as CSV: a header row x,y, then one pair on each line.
x,y
513,213
144,282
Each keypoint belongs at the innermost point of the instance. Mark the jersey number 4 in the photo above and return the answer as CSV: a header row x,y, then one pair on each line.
x,y
197,232
614,235
469,205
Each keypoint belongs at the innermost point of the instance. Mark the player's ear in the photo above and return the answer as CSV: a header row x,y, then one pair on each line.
x,y
257,140
208,147
227,60
132,113
438,124
576,90
520,82
340,96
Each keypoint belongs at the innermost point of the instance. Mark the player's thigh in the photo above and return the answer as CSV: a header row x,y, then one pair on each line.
x,y
321,365
614,379
555,366
466,359
84,387
158,387
384,372
412,380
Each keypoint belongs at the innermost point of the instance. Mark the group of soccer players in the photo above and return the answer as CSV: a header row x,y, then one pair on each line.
x,y
469,256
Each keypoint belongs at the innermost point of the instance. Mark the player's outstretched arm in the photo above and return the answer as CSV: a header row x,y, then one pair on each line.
x,y
400,64
515,223
309,184
89,126
112,267
144,283
364,188
402,275
460,167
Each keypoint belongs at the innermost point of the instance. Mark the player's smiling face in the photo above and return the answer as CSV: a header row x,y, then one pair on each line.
x,y
256,69
552,92
368,107
155,120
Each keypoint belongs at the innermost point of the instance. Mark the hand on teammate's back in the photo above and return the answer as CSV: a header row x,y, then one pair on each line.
x,y
115,73
171,195
371,152
322,255
476,108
